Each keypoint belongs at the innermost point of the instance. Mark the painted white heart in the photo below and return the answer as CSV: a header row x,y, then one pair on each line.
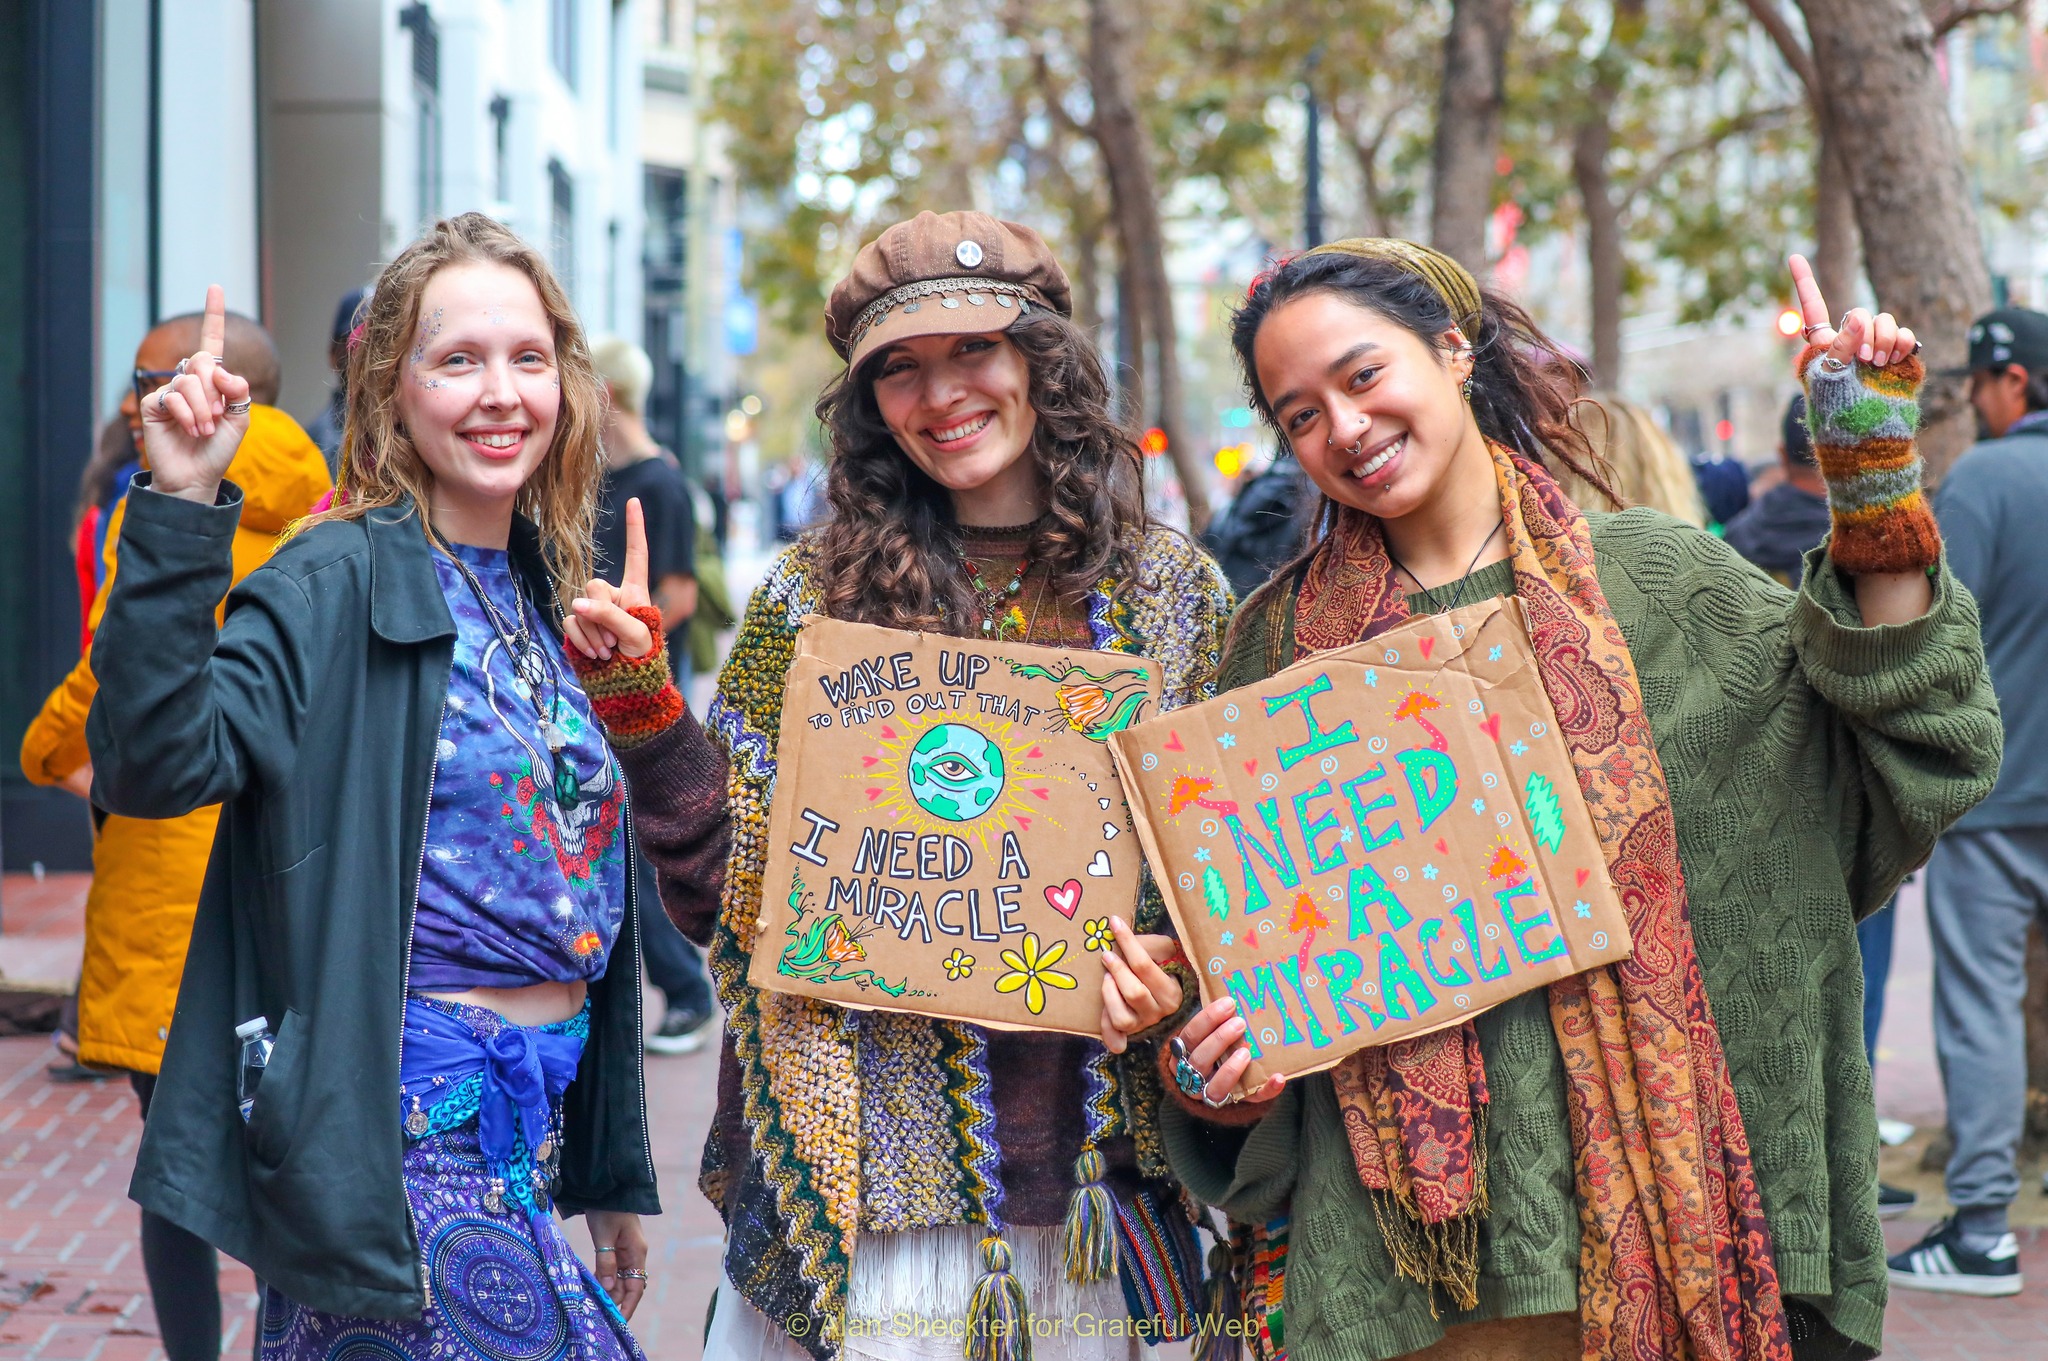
x,y
1099,866
1109,831
1103,802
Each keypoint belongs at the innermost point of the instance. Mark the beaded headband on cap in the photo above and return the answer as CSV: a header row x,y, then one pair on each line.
x,y
1451,280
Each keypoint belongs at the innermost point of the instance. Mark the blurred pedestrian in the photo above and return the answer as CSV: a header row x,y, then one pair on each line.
x,y
326,428
147,872
1504,1166
1724,487
1262,526
1988,880
1645,466
637,468
421,870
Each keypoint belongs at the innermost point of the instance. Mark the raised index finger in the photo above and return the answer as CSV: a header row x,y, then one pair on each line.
x,y
1813,308
213,331
636,548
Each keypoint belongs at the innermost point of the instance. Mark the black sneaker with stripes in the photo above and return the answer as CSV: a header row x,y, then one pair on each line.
x,y
1941,1262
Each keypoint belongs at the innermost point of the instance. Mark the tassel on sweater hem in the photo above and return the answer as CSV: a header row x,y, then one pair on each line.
x,y
1091,1222
998,1314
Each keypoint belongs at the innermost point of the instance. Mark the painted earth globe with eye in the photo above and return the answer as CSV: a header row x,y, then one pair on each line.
x,y
956,773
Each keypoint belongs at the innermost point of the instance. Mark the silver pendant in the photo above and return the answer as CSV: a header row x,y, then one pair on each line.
x,y
494,1199
545,1151
416,1123
553,736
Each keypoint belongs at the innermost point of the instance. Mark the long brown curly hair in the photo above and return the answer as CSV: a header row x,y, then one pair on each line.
x,y
890,553
379,465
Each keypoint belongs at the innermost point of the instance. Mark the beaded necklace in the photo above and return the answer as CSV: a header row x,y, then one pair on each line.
x,y
996,619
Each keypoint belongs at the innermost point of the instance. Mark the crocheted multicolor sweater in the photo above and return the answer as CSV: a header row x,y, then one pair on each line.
x,y
832,1122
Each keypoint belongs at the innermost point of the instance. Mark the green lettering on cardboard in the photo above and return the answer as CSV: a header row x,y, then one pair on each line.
x,y
1322,825
1278,857
1467,919
1369,890
1290,969
1341,970
1261,993
1432,779
1520,928
1428,937
1396,971
1361,810
1318,740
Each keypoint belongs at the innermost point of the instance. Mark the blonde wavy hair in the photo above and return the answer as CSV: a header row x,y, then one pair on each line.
x,y
380,467
1645,466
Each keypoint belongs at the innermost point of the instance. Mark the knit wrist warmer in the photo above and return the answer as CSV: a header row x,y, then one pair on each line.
x,y
634,697
1863,420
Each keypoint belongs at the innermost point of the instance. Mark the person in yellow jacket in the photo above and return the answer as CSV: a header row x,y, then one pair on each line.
x,y
146,874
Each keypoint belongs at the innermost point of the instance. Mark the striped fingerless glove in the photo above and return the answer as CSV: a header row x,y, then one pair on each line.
x,y
1863,421
634,697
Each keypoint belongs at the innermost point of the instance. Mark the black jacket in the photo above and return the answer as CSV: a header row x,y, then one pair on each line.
x,y
313,714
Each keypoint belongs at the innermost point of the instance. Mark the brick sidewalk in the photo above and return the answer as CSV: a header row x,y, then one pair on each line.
x,y
71,1282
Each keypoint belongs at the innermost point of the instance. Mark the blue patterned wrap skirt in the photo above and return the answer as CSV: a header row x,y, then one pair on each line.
x,y
481,1103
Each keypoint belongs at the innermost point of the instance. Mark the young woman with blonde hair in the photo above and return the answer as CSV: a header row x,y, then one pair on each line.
x,y
419,884
1644,466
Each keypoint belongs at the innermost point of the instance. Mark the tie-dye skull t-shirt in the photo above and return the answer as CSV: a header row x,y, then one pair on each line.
x,y
519,885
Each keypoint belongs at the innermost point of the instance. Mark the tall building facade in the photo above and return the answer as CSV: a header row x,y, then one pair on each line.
x,y
284,149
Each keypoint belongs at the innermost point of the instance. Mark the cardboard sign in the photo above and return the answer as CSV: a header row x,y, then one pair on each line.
x,y
1377,842
947,835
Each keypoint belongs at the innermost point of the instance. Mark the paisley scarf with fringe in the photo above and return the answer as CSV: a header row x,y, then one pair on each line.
x,y
1675,1258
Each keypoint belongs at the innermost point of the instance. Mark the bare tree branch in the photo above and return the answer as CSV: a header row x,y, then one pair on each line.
x,y
1773,21
1949,18
1735,126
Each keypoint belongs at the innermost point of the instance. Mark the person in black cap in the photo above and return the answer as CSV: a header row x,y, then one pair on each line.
x,y
326,427
1988,877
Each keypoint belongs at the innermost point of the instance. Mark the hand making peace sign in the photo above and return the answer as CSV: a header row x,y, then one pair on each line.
x,y
598,621
1877,341
192,425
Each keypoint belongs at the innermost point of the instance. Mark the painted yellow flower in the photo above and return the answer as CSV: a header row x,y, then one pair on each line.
x,y
959,965
1097,935
1033,972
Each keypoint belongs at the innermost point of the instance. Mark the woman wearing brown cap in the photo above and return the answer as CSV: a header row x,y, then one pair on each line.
x,y
1675,1156
877,1168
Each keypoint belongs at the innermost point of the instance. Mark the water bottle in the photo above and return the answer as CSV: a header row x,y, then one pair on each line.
x,y
256,1046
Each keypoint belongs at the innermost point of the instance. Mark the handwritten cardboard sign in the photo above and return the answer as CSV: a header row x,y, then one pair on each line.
x,y
947,835
1377,842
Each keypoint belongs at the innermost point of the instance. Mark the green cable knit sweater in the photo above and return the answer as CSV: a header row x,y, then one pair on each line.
x,y
1812,763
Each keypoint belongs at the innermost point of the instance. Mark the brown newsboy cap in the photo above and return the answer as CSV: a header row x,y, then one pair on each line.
x,y
942,274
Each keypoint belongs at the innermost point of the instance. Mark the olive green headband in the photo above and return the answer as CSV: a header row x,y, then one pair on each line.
x,y
1451,280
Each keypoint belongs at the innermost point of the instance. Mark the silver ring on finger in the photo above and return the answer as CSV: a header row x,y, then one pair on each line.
x,y
1807,331
1186,1076
240,408
627,1273
163,394
604,1249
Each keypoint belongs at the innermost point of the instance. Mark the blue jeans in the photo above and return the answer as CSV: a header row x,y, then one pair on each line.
x,y
1874,938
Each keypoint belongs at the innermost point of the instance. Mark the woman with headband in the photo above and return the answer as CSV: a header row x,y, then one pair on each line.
x,y
876,1168
1675,1156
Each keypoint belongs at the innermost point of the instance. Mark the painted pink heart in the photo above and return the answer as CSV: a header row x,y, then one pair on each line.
x,y
1491,727
1065,898
1428,645
1251,767
874,794
867,760
1173,741
1583,876
1441,848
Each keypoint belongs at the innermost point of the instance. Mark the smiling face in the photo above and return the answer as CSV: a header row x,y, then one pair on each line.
x,y
960,409
479,394
1373,412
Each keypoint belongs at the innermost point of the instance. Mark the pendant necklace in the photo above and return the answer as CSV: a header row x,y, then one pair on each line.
x,y
536,670
995,602
1464,580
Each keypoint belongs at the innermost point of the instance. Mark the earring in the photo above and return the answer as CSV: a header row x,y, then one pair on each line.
x,y
1467,385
